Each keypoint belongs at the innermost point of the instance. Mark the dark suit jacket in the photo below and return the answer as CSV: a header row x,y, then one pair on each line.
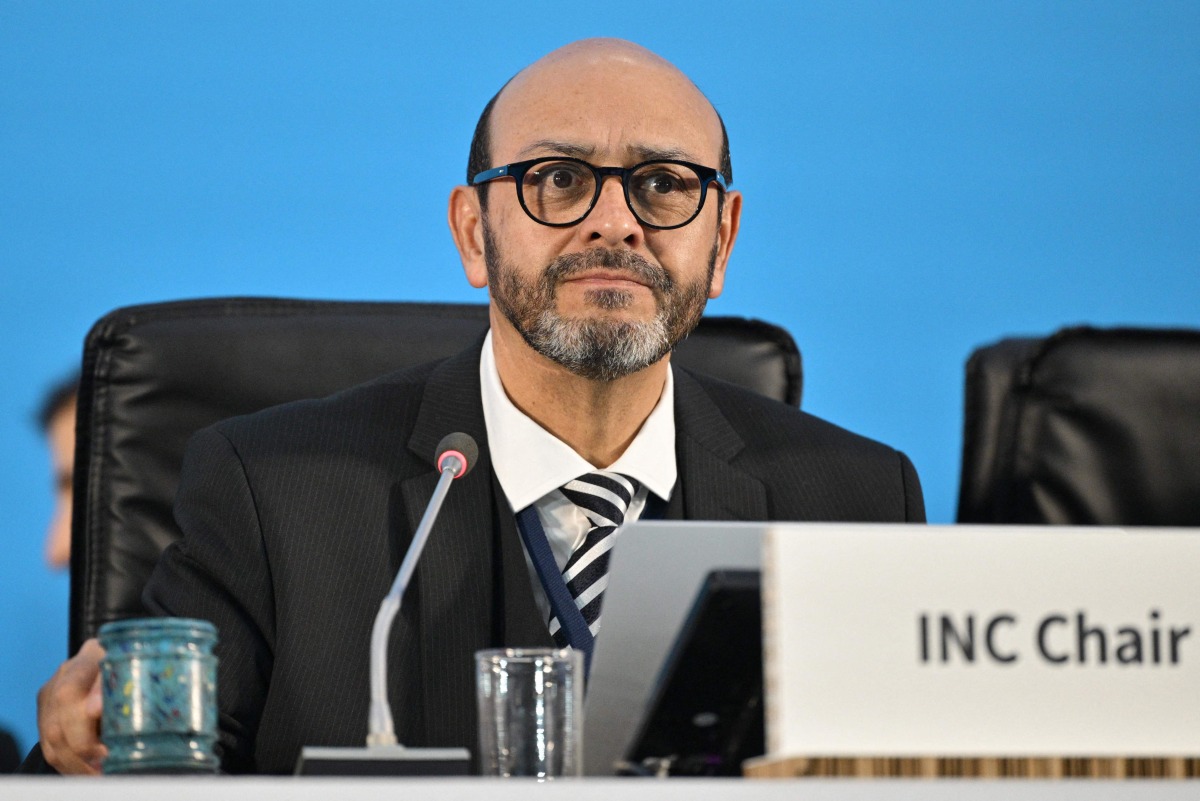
x,y
296,519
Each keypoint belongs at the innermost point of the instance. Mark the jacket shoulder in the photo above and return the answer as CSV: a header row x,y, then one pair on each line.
x,y
814,469
766,421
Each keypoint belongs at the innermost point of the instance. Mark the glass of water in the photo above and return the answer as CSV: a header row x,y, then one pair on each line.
x,y
530,712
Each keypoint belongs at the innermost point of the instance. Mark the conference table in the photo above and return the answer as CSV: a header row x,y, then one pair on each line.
x,y
224,788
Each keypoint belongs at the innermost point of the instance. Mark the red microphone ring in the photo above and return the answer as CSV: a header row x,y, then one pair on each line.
x,y
461,458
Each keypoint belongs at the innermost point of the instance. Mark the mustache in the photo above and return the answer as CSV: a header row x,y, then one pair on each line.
x,y
571,264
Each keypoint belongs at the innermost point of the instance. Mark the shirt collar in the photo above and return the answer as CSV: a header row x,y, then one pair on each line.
x,y
530,462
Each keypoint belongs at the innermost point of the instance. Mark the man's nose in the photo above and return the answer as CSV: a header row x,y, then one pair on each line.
x,y
611,220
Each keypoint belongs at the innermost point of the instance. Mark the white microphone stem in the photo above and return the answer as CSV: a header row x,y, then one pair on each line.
x,y
381,729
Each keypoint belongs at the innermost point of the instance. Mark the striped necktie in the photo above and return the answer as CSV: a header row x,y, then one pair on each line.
x,y
604,497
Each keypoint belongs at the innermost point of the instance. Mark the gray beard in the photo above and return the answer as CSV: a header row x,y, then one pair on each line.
x,y
596,349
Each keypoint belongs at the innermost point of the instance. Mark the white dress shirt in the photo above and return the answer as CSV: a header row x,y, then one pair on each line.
x,y
532,464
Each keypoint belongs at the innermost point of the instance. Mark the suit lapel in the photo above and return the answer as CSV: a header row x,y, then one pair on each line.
x,y
713,488
453,580
472,587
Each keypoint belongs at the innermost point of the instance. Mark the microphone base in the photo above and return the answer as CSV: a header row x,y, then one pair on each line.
x,y
383,760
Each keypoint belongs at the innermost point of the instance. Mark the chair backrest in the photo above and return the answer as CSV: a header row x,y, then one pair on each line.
x,y
1087,426
154,374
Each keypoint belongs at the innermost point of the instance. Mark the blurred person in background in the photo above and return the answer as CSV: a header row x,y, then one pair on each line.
x,y
56,418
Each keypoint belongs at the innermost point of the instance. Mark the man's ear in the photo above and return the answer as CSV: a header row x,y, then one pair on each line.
x,y
466,226
727,231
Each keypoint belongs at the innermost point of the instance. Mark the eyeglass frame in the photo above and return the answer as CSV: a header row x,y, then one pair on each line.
x,y
517,170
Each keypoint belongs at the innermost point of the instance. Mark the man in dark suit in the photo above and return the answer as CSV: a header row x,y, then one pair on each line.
x,y
599,216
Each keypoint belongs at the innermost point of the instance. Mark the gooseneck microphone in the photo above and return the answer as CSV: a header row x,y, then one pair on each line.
x,y
455,455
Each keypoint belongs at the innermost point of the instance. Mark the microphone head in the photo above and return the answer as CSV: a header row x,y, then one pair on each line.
x,y
457,444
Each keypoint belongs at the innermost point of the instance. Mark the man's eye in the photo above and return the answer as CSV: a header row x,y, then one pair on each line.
x,y
557,177
563,179
661,184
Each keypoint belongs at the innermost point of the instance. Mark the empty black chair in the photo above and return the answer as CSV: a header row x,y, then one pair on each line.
x,y
1088,426
152,375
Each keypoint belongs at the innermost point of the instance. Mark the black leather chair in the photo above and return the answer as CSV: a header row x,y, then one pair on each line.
x,y
1087,427
154,374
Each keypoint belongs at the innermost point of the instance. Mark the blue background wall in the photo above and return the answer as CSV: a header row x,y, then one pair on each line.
x,y
920,178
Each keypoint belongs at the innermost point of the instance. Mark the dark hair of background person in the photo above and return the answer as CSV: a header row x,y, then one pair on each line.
x,y
57,398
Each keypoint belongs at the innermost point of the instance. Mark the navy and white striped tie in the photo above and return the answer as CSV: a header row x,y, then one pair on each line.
x,y
604,497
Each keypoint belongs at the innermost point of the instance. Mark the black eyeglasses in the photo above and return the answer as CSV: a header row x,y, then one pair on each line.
x,y
561,191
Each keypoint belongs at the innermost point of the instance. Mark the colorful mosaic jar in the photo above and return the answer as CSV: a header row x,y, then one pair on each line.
x,y
159,684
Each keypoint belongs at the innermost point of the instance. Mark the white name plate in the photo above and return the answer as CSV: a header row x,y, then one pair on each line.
x,y
971,640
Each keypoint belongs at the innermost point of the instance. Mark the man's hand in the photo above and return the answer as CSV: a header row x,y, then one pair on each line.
x,y
69,714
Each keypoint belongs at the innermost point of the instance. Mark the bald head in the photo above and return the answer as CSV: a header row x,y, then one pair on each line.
x,y
598,78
